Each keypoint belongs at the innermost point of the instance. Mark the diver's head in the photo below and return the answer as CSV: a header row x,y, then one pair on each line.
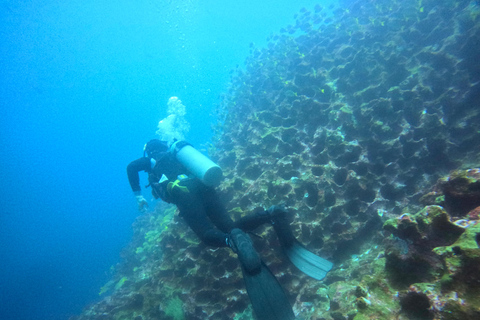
x,y
155,148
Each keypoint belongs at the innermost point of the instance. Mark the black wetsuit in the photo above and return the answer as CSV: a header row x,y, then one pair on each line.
x,y
198,204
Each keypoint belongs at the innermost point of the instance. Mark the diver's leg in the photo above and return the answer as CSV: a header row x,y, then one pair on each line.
x,y
198,221
253,221
216,211
238,240
273,215
191,208
281,225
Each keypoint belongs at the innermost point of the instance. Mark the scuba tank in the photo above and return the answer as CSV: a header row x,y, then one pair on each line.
x,y
198,164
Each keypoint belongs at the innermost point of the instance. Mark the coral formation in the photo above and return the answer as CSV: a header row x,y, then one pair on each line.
x,y
354,121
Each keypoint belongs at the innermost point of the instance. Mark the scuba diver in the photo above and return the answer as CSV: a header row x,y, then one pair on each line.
x,y
181,175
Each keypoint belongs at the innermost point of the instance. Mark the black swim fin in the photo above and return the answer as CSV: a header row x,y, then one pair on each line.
x,y
306,261
267,296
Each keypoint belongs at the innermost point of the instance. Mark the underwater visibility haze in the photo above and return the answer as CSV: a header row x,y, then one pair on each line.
x,y
362,117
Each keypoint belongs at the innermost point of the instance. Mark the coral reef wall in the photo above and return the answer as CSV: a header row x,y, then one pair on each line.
x,y
356,117
350,119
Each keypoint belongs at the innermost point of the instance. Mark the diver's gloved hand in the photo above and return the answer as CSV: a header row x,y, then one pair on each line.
x,y
142,203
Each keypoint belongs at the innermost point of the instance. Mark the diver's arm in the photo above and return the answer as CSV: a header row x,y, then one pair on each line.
x,y
133,168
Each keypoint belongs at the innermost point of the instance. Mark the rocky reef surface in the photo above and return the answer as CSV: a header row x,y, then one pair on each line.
x,y
366,123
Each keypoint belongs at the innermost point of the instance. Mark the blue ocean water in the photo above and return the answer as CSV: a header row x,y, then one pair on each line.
x,y
83,85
